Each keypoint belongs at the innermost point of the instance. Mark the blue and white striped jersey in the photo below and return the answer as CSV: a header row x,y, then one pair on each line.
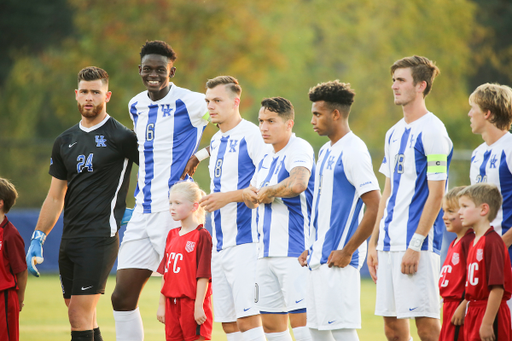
x,y
168,133
493,164
283,225
415,153
234,155
344,172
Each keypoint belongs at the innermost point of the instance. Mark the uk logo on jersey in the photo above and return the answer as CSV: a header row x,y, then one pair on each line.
x,y
455,258
100,141
167,110
190,246
479,255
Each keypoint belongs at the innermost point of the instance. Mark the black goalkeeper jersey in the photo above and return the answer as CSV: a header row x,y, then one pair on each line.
x,y
96,163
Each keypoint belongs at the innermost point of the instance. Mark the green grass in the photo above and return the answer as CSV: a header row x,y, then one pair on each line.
x,y
44,316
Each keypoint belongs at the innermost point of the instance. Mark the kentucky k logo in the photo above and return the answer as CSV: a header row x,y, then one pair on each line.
x,y
100,141
166,108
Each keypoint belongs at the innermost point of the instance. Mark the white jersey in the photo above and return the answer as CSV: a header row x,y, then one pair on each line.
x,y
493,164
168,133
344,172
283,224
415,153
234,155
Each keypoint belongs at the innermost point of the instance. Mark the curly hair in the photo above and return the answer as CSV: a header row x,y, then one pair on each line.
x,y
422,68
335,94
281,106
158,47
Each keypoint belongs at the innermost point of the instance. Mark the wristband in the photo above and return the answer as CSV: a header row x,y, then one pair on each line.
x,y
416,242
39,235
202,154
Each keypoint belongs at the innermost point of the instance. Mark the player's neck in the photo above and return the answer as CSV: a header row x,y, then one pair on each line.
x,y
281,144
230,123
91,122
481,227
414,110
338,133
2,217
158,95
188,224
492,134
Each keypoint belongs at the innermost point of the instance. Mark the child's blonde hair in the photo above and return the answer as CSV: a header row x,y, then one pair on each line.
x,y
484,193
451,198
193,193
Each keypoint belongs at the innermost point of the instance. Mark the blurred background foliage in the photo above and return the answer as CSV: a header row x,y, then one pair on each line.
x,y
274,48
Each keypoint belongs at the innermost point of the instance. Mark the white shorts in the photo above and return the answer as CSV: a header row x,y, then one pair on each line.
x,y
281,285
407,296
143,244
233,282
334,298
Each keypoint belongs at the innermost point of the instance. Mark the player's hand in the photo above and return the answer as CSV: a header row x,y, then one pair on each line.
x,y
160,313
199,315
126,216
214,201
35,252
339,258
487,333
373,262
21,305
265,195
191,167
250,196
459,315
303,258
410,262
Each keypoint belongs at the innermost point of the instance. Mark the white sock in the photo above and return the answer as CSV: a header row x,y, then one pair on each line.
x,y
236,336
302,334
254,334
321,335
345,335
282,336
129,325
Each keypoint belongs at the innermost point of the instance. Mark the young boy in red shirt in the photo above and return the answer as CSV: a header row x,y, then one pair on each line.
x,y
453,273
489,274
13,267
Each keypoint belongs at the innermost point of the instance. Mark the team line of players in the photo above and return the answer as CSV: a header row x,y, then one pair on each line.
x,y
271,204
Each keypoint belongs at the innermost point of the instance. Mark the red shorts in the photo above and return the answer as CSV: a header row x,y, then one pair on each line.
x,y
9,325
475,314
449,330
180,323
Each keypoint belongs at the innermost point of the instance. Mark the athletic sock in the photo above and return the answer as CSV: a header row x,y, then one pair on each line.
x,y
129,325
302,334
281,336
236,336
97,334
345,335
254,334
82,335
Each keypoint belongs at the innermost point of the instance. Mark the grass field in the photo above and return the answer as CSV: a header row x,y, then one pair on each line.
x,y
44,316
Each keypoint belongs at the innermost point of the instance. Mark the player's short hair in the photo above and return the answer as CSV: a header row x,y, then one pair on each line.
x,y
422,69
484,193
92,73
451,198
8,194
497,99
335,94
193,193
281,106
230,82
158,47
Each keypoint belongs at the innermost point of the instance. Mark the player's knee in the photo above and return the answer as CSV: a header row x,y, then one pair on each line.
x,y
79,319
428,334
230,327
392,333
122,301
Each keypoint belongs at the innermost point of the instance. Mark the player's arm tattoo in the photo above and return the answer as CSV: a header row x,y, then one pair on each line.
x,y
292,186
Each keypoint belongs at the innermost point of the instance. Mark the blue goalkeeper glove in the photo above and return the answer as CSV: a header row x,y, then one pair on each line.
x,y
126,216
35,252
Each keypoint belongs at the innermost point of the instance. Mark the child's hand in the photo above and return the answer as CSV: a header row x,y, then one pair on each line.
x,y
160,313
487,333
459,315
199,315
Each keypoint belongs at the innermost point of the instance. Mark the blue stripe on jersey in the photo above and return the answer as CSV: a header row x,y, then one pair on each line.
x,y
217,173
184,142
243,213
311,188
148,159
134,113
396,183
506,192
267,218
354,224
315,221
483,173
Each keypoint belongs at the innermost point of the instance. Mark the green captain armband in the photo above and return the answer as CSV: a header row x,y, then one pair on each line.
x,y
206,116
437,163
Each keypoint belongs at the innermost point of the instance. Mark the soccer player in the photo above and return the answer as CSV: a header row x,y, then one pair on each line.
x,y
185,302
344,184
13,268
489,276
169,122
452,281
282,189
409,228
90,168
235,149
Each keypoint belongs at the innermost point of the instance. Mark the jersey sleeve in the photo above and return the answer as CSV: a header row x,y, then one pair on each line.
x,y
204,255
57,167
302,155
494,254
198,112
437,147
385,167
15,249
256,147
359,171
130,146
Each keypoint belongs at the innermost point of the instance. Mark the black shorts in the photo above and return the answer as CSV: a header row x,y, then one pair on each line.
x,y
85,263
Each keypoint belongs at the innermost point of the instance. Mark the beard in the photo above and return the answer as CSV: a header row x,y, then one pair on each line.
x,y
90,113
